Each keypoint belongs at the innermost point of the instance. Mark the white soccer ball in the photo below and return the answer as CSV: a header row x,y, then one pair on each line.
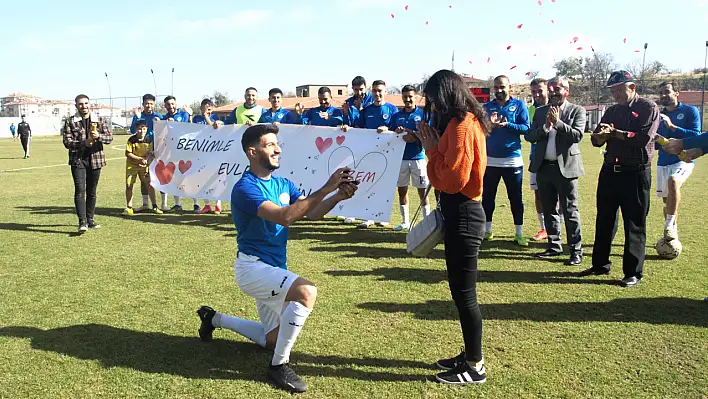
x,y
668,249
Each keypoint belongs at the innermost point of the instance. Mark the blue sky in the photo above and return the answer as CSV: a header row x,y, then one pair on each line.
x,y
58,49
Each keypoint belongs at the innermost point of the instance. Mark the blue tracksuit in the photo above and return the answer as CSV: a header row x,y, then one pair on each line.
x,y
281,116
149,121
506,142
353,117
202,121
409,120
688,122
312,117
374,116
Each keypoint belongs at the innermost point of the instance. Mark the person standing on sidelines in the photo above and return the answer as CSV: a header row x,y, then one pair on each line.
x,y
510,120
557,131
24,132
12,130
678,121
456,150
628,128
414,166
539,94
376,116
176,115
264,206
277,114
84,138
324,115
207,118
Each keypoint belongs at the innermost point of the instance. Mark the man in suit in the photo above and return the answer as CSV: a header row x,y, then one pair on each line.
x,y
556,130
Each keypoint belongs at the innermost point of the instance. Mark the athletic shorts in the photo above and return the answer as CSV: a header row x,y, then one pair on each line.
x,y
268,285
679,171
135,173
414,172
532,181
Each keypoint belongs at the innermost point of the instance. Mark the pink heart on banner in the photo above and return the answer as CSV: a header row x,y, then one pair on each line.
x,y
184,166
340,140
323,145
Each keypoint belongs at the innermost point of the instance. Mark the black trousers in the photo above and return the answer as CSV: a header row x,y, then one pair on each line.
x,y
85,183
464,230
25,143
630,192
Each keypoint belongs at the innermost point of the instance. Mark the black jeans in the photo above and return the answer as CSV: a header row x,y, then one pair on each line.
x,y
464,230
25,143
630,192
85,182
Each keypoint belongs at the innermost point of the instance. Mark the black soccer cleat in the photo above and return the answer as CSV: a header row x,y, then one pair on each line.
x,y
206,314
285,378
463,373
451,363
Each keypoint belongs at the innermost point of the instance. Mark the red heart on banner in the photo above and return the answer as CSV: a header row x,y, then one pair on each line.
x,y
340,140
184,166
164,172
323,145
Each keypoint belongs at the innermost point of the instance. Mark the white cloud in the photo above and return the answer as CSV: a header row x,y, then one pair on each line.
x,y
241,19
33,44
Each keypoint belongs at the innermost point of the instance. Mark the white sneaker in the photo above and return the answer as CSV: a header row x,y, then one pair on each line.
x,y
401,227
383,224
366,224
349,220
671,233
143,208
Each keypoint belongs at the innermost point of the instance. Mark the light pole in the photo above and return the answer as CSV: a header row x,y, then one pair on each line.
x,y
172,90
643,60
703,91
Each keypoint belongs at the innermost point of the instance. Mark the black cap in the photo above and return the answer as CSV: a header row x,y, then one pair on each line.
x,y
619,77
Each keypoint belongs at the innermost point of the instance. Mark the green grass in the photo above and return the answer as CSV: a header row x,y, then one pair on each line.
x,y
112,313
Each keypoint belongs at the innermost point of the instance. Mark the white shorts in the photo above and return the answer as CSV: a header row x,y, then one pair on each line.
x,y
532,181
679,171
415,173
267,284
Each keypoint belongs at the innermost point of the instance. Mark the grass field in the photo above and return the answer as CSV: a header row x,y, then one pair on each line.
x,y
112,313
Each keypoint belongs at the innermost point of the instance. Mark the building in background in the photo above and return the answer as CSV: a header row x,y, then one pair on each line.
x,y
311,90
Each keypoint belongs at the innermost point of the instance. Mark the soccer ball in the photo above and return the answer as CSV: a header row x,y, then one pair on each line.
x,y
668,249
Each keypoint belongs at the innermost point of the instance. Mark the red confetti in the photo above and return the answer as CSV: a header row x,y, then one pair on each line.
x,y
450,5
519,26
489,59
553,22
637,51
393,16
634,114
508,47
534,54
540,3
625,40
631,134
470,62
553,1
406,7
426,22
528,73
512,67
575,39
579,48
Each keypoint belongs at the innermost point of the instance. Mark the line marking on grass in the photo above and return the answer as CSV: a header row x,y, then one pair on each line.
x,y
120,148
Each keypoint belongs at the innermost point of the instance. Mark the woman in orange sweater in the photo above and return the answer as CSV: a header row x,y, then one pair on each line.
x,y
457,159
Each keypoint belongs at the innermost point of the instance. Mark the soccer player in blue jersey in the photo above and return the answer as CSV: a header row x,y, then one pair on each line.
x,y
510,120
377,116
324,115
679,121
353,105
146,113
177,115
276,114
263,207
414,168
207,118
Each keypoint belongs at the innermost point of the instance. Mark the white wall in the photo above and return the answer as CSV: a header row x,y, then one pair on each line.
x,y
40,126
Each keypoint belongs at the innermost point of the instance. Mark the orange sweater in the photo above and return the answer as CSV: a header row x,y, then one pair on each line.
x,y
457,165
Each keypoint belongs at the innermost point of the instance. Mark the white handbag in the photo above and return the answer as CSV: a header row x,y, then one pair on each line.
x,y
423,237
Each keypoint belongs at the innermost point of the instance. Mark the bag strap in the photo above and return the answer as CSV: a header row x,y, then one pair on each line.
x,y
420,207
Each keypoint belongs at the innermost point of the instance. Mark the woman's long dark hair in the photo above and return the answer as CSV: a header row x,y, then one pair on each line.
x,y
452,99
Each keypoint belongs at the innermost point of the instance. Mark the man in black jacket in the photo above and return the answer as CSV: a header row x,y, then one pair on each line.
x,y
25,133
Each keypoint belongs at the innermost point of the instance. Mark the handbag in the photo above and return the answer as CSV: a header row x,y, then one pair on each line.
x,y
423,237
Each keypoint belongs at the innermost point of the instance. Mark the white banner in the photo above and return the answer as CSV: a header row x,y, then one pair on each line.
x,y
196,161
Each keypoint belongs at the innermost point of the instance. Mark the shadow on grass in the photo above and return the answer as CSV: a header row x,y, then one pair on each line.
x,y
435,276
679,311
40,228
154,352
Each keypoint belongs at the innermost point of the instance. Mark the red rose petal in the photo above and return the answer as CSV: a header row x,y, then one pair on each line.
x,y
489,59
634,114
406,7
528,73
519,26
575,39
553,22
512,67
540,3
579,48
625,40
508,47
631,134
637,51
393,16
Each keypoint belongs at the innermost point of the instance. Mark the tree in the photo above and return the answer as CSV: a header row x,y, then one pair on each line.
x,y
571,67
221,99
532,75
394,89
588,75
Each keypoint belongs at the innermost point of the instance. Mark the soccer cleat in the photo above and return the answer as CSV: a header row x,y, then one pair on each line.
x,y
671,233
197,208
349,220
217,210
451,363
83,228
541,235
521,240
142,209
206,209
156,210
176,209
206,314
488,236
401,227
366,224
93,225
463,373
128,212
285,378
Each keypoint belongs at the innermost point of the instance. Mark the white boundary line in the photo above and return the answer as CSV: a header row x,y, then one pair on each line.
x,y
121,148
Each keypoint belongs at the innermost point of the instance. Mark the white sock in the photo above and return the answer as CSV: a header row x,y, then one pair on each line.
x,y
670,221
207,202
519,229
146,199
426,210
405,215
540,220
196,202
488,227
218,203
164,200
291,322
178,200
250,329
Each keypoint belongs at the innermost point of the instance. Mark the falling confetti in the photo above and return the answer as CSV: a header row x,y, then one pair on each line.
x,y
637,51
470,62
631,134
489,59
426,22
528,73
450,6
634,114
579,48
393,16
553,21
406,7
512,67
575,39
625,40
519,26
508,47
534,54
540,3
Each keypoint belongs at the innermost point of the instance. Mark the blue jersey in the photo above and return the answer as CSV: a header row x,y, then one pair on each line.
x,y
688,124
149,119
256,236
700,141
179,116
409,120
202,121
354,113
281,116
312,117
374,116
12,129
506,142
